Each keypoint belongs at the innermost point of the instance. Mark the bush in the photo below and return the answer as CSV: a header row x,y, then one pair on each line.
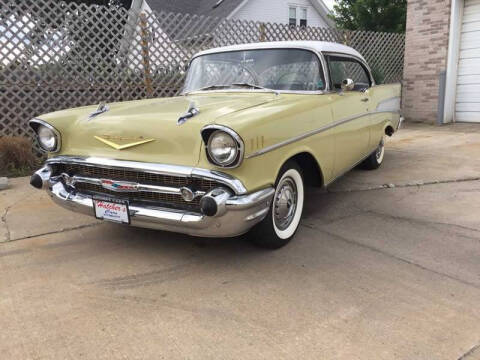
x,y
16,156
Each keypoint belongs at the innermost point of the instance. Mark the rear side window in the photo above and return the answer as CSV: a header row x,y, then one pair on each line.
x,y
342,68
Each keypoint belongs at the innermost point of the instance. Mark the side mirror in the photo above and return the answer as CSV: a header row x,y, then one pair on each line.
x,y
348,85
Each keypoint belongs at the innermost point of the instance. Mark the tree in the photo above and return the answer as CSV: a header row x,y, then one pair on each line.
x,y
371,15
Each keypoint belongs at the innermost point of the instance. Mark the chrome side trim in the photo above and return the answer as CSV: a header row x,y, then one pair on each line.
x,y
238,139
385,112
47,125
154,168
306,135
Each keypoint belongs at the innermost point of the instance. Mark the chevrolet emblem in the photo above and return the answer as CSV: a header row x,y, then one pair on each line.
x,y
121,143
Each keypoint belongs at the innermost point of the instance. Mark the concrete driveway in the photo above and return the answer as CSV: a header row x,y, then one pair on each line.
x,y
386,265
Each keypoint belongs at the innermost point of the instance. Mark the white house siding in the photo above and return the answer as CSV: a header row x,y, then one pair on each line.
x,y
468,82
276,11
159,41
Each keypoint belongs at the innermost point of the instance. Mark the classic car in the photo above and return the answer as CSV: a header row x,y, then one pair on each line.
x,y
254,126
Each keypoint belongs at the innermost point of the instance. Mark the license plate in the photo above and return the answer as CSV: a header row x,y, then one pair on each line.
x,y
112,210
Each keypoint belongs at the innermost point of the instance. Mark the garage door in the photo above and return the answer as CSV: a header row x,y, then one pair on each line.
x,y
468,83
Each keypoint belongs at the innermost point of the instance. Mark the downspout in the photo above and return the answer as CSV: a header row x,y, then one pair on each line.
x,y
455,32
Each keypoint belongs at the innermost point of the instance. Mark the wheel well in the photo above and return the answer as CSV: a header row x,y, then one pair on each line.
x,y
312,174
389,130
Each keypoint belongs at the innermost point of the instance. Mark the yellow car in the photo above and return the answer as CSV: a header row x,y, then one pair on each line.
x,y
254,125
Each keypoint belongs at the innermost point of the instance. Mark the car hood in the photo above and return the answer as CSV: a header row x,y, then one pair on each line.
x,y
148,130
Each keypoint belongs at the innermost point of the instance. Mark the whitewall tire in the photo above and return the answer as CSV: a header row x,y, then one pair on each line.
x,y
375,160
286,209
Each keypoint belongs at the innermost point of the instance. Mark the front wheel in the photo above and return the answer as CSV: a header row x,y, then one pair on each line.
x,y
375,160
283,219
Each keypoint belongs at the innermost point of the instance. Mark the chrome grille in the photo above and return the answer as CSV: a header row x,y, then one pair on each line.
x,y
165,200
134,176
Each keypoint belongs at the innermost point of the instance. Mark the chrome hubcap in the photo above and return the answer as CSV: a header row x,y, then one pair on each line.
x,y
285,203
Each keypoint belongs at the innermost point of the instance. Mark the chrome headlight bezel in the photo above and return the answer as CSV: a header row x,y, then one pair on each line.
x,y
208,133
37,125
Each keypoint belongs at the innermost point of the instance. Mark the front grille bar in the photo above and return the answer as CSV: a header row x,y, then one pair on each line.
x,y
72,180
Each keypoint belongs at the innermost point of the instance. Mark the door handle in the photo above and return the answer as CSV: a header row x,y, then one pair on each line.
x,y
364,100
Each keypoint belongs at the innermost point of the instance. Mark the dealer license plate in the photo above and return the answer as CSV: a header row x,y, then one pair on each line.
x,y
112,210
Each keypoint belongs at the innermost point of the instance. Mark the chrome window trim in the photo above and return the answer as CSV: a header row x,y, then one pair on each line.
x,y
361,61
306,135
154,168
236,137
258,91
58,142
317,53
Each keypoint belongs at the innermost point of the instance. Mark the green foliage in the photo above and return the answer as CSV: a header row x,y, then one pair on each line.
x,y
371,15
378,75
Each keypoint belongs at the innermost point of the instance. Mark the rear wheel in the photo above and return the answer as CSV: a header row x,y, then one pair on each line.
x,y
283,219
375,160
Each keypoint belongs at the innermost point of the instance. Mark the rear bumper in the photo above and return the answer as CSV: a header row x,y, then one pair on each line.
x,y
240,215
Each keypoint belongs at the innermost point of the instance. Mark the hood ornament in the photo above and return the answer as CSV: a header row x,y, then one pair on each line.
x,y
102,107
191,112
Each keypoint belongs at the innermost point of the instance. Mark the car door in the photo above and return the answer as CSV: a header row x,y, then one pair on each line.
x,y
350,110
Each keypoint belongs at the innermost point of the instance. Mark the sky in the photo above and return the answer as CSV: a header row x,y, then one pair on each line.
x,y
329,3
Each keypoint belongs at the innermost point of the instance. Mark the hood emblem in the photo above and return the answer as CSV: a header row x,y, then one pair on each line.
x,y
191,112
121,143
119,186
102,107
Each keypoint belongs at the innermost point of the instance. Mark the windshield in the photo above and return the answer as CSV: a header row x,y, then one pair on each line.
x,y
276,69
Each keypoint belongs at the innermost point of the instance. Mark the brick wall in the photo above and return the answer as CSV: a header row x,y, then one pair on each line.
x,y
426,49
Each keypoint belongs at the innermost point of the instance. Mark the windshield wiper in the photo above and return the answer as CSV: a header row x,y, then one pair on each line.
x,y
244,85
253,86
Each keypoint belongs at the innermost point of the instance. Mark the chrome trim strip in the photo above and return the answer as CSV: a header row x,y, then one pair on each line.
x,y
362,61
238,139
55,131
72,180
385,112
154,168
306,135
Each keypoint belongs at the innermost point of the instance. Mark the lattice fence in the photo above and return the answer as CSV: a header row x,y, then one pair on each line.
x,y
56,55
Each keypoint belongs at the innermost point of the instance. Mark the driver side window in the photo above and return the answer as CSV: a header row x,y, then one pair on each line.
x,y
342,68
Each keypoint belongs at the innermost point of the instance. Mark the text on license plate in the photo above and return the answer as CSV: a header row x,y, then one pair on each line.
x,y
116,211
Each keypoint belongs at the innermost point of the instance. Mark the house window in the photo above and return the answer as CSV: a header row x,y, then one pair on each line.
x,y
292,20
297,16
303,17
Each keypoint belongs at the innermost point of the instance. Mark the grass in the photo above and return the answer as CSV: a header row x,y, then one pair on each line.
x,y
16,156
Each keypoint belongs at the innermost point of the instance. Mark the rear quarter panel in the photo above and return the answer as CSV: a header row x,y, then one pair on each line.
x,y
385,103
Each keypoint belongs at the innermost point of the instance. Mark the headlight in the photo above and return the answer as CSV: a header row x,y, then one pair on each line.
x,y
48,136
224,146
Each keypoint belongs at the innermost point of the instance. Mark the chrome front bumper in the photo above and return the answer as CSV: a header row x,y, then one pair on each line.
x,y
239,213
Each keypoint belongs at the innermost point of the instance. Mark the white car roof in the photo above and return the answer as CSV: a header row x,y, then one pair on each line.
x,y
318,46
